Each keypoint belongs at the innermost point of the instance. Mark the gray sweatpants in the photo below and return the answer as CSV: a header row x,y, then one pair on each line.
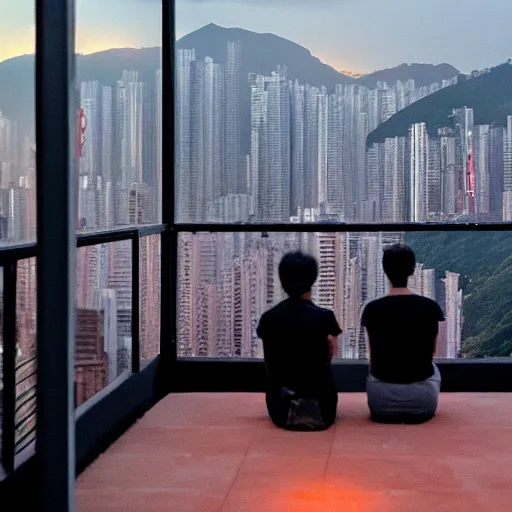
x,y
416,399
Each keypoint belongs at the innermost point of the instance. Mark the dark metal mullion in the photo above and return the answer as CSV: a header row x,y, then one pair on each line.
x,y
104,238
168,260
156,229
9,367
117,235
338,228
135,303
56,140
11,253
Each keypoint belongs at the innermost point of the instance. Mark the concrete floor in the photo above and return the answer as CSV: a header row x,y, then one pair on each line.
x,y
219,453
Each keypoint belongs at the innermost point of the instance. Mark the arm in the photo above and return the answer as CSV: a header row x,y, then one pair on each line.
x,y
440,318
333,346
363,320
334,330
367,339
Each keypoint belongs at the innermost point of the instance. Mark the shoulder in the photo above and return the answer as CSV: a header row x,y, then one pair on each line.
x,y
428,303
376,304
273,312
267,316
431,307
370,310
327,314
320,310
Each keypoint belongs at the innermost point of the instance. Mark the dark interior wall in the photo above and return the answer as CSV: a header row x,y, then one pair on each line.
x,y
218,375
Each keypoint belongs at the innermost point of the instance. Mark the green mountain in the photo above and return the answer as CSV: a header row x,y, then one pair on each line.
x,y
484,261
490,96
262,53
423,74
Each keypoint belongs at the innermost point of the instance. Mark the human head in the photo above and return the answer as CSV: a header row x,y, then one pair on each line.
x,y
298,273
399,263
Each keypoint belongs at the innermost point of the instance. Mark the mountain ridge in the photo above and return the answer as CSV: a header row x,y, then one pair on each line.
x,y
490,95
260,54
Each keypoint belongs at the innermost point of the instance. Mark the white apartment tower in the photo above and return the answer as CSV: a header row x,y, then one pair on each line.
x,y
482,166
418,167
235,181
507,171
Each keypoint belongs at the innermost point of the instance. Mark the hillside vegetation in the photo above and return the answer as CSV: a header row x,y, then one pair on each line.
x,y
484,260
490,96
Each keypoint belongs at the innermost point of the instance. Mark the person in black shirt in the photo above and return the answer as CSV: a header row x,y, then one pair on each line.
x,y
401,329
299,342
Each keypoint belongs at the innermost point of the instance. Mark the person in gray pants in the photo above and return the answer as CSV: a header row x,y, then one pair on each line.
x,y
401,329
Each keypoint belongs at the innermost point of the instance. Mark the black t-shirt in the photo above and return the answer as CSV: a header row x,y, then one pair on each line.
x,y
296,348
402,330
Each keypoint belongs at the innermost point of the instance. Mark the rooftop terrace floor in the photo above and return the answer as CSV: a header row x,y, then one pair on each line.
x,y
219,453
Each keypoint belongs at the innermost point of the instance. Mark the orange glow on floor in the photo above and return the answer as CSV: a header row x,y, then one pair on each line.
x,y
341,496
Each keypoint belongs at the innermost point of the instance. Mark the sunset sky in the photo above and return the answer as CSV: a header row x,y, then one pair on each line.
x,y
361,35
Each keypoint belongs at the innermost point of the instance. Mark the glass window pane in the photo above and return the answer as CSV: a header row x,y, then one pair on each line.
x,y
17,124
149,297
26,361
226,281
119,121
103,338
269,132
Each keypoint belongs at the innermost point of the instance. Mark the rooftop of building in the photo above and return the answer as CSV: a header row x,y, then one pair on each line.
x,y
219,453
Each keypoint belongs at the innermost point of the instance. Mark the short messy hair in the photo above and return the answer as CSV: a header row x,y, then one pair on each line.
x,y
298,272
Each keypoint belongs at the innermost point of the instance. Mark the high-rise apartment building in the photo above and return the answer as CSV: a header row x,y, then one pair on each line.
x,y
482,170
271,147
184,127
448,168
235,178
417,196
496,172
453,313
507,171
298,154
91,362
433,181
311,147
329,249
464,125
393,208
334,192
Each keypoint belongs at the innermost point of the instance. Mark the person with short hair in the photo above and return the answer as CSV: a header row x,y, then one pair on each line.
x,y
401,329
299,342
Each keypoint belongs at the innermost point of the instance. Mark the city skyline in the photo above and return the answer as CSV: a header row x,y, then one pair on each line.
x,y
302,153
228,280
304,160
136,23
251,148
